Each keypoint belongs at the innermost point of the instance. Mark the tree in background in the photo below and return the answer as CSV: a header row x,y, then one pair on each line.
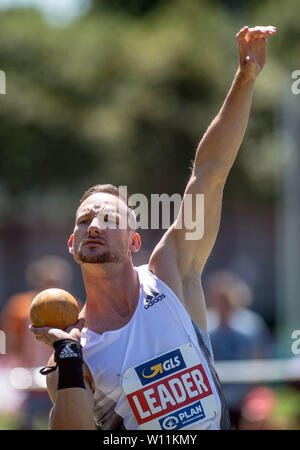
x,y
124,95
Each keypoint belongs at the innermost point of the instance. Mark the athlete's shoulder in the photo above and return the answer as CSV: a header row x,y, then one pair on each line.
x,y
144,271
142,267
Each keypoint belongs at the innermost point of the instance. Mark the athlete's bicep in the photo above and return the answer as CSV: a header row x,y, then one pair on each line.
x,y
195,229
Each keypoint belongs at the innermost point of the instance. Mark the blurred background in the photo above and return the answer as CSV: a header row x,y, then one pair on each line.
x,y
121,91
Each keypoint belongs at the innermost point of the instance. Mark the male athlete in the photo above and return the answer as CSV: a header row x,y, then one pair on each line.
x,y
143,358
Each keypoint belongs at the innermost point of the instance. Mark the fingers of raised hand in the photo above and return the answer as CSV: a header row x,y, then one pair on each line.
x,y
258,32
242,33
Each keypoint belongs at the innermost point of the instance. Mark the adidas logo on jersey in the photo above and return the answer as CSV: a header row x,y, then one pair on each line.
x,y
67,352
153,298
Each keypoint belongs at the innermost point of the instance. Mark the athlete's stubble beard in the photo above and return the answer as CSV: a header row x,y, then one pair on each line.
x,y
108,256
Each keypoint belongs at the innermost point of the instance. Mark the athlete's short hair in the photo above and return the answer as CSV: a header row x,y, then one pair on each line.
x,y
117,192
105,188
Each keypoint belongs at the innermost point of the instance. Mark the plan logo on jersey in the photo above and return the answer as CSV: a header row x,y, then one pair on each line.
x,y
171,391
160,367
153,298
183,417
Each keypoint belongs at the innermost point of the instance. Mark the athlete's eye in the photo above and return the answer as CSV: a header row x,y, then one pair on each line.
x,y
110,218
83,221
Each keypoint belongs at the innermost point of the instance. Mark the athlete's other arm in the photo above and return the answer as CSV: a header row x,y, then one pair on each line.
x,y
73,407
178,261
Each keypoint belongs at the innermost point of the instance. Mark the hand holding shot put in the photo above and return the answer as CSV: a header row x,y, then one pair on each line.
x,y
54,315
138,318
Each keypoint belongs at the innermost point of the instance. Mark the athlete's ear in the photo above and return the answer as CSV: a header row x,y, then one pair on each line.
x,y
135,242
70,243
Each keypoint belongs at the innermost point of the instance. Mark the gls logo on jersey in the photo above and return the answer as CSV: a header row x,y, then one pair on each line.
x,y
160,367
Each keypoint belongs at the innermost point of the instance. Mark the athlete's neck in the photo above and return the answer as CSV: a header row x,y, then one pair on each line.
x,y
112,294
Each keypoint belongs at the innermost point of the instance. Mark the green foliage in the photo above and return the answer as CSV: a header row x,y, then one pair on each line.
x,y
132,7
125,98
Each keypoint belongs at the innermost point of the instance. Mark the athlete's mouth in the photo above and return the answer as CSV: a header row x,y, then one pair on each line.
x,y
93,242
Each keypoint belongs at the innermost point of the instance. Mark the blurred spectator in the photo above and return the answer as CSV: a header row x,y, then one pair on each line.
x,y
229,298
22,349
236,332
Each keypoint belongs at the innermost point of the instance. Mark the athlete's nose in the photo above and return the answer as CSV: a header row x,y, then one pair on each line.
x,y
95,226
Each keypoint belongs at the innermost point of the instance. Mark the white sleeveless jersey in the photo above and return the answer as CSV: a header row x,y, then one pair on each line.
x,y
155,372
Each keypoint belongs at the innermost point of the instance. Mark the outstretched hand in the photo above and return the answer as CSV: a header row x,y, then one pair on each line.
x,y
48,335
252,43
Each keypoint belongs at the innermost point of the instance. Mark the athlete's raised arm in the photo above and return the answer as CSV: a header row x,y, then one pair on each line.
x,y
180,256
